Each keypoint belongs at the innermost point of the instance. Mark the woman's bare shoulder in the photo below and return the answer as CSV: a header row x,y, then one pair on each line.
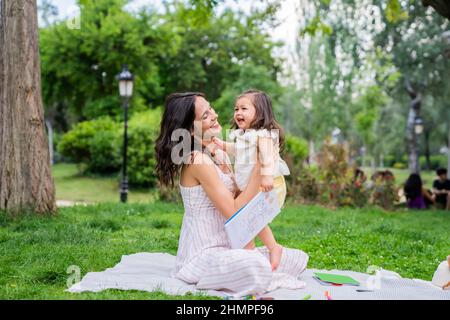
x,y
199,162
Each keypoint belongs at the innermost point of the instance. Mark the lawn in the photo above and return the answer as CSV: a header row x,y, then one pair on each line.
x,y
35,252
72,186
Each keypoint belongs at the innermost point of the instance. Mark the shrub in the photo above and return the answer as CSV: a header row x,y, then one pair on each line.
x,y
333,163
95,143
297,147
389,161
99,144
353,195
333,183
105,151
305,187
384,194
436,161
399,165
169,194
142,134
296,151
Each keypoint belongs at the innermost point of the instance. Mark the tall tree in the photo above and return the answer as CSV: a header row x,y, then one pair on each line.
x,y
441,6
25,177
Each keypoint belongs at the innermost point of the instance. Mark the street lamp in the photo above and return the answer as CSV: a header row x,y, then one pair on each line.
x,y
418,125
335,135
125,90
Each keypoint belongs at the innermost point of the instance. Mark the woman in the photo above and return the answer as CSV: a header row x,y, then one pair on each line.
x,y
416,195
184,150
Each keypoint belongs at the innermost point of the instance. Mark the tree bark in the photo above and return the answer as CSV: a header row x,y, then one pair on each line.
x,y
448,150
25,177
411,137
427,149
441,6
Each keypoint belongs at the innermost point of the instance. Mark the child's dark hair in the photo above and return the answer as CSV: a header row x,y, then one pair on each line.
x,y
358,173
413,186
264,116
441,171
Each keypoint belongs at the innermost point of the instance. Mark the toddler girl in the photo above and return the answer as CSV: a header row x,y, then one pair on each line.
x,y
257,134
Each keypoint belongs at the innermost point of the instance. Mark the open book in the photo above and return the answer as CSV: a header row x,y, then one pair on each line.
x,y
248,221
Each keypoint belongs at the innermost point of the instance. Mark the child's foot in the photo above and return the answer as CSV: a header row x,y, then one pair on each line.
x,y
275,256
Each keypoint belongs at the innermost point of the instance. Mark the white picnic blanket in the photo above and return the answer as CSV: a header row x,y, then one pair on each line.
x,y
151,271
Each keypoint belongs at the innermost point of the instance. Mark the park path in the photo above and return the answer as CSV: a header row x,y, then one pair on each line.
x,y
70,203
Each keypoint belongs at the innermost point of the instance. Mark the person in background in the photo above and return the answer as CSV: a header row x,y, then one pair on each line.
x,y
376,177
441,189
388,175
359,177
415,193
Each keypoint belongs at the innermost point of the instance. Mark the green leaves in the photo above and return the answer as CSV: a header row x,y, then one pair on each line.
x,y
394,12
189,47
93,142
316,25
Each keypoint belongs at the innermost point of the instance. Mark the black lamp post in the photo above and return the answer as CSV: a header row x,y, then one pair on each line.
x,y
126,90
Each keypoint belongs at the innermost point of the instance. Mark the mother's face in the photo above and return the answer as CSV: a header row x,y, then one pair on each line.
x,y
206,121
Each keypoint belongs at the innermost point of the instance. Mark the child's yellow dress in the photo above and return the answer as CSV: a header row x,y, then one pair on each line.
x,y
246,155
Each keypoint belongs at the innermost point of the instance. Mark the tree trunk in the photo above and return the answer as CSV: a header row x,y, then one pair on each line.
x,y
448,151
441,6
411,137
427,149
25,177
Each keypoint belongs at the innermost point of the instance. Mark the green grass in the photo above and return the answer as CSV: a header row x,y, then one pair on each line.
x,y
70,185
35,252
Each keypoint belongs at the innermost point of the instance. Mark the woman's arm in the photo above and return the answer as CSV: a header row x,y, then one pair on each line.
x,y
203,170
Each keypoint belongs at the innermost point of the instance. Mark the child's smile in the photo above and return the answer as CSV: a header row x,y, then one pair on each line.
x,y
244,113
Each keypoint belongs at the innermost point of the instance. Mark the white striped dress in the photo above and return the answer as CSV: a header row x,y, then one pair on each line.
x,y
204,256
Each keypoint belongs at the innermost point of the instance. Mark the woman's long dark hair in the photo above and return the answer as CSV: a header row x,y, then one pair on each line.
x,y
413,186
264,116
179,113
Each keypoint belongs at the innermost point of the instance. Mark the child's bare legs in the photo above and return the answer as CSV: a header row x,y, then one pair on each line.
x,y
250,246
275,249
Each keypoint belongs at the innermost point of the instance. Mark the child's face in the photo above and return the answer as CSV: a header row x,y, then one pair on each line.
x,y
244,113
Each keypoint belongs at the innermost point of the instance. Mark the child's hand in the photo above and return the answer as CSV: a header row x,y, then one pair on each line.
x,y
218,143
266,183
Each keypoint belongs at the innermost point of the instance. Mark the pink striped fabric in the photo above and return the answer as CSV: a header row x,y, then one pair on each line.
x,y
205,258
